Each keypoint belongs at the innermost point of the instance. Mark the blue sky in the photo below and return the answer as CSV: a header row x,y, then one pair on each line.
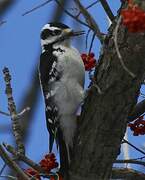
x,y
19,51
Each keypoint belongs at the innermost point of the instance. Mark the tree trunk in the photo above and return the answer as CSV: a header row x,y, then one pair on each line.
x,y
104,116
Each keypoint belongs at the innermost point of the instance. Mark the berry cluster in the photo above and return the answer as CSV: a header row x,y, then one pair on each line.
x,y
47,163
133,17
138,127
89,61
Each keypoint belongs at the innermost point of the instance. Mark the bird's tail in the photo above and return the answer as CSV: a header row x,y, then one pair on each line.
x,y
68,126
64,160
66,137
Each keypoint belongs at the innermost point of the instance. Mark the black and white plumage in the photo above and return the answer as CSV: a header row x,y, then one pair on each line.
x,y
62,75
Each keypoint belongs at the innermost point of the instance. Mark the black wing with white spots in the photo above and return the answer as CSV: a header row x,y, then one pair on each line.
x,y
48,75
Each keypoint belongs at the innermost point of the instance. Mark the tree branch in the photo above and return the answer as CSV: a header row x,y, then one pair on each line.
x,y
35,8
107,9
23,158
91,5
69,14
4,113
90,21
103,121
137,111
127,174
13,113
130,161
136,148
2,22
12,164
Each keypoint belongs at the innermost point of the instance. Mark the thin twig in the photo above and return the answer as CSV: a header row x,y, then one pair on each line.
x,y
140,158
72,16
67,12
139,150
37,7
23,112
91,45
117,49
2,22
90,21
11,163
13,113
91,5
107,9
4,113
9,177
87,36
23,158
3,168
130,161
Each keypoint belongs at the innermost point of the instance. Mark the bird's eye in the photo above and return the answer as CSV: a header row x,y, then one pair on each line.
x,y
57,32
45,34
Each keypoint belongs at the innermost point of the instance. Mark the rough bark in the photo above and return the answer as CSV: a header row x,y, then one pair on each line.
x,y
104,116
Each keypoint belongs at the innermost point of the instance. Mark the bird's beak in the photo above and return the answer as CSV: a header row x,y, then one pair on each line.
x,y
78,33
70,33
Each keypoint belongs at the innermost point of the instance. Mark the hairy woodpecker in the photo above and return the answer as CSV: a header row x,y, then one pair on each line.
x,y
62,74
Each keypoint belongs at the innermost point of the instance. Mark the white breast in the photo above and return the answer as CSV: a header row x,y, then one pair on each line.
x,y
69,92
71,64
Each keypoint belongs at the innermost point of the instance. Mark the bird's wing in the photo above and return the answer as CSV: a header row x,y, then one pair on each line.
x,y
48,75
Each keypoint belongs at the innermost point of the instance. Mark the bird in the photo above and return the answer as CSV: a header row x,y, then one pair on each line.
x,y
62,77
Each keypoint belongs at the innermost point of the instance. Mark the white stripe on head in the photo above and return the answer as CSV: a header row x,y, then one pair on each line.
x,y
47,26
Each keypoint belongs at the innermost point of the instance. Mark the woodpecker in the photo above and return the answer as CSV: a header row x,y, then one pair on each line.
x,y
62,74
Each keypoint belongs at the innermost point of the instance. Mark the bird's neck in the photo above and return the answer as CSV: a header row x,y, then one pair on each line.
x,y
65,43
59,45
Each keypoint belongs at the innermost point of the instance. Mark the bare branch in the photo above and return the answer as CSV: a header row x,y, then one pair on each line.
x,y
87,36
9,177
91,5
90,20
136,148
37,7
72,16
23,158
2,22
91,45
11,163
23,112
2,169
127,174
138,110
4,113
130,161
117,49
107,9
13,113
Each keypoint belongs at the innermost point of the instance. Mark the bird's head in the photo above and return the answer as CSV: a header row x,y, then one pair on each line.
x,y
53,33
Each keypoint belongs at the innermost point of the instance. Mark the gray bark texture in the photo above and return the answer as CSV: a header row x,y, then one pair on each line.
x,y
103,121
